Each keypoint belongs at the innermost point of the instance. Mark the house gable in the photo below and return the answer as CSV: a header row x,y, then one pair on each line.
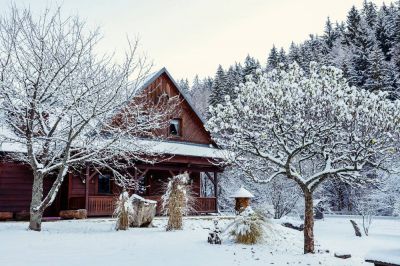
x,y
191,124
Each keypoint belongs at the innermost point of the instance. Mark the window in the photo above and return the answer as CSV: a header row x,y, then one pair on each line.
x,y
104,184
175,127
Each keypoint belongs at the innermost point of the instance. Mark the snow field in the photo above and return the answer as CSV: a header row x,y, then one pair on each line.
x,y
95,242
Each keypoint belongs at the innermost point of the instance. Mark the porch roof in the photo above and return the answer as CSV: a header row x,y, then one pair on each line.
x,y
185,149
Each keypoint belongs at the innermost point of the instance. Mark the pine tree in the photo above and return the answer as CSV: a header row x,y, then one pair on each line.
x,y
361,47
238,73
231,82
377,72
282,57
184,85
353,25
250,67
369,13
384,32
273,58
395,50
219,87
294,54
330,35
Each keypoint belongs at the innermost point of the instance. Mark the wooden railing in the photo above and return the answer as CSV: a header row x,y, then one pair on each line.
x,y
101,205
104,205
205,205
201,204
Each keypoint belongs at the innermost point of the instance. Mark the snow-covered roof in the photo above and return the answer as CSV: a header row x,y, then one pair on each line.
x,y
10,144
153,146
242,193
12,147
184,148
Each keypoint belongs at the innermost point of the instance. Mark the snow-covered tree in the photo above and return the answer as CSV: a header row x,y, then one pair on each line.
x,y
63,106
308,128
250,67
330,34
219,87
273,58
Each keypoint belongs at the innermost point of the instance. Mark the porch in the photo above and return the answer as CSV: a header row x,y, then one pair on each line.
x,y
104,205
97,192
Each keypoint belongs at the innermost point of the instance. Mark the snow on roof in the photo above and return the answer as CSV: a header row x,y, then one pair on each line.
x,y
163,147
154,146
9,141
184,148
242,193
12,147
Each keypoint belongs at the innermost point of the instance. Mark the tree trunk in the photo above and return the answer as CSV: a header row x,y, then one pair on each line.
x,y
308,223
35,222
37,195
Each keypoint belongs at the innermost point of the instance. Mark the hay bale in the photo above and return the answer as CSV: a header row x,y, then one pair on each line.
x,y
123,211
177,201
74,214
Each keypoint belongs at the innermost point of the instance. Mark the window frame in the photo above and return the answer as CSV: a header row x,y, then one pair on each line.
x,y
179,124
109,185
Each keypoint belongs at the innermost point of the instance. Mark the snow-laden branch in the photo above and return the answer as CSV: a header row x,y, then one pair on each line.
x,y
309,127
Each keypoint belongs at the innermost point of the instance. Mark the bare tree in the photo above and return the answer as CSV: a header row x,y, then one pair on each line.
x,y
308,128
63,105
284,195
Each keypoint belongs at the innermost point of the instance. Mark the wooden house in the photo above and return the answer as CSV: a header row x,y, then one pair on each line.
x,y
189,148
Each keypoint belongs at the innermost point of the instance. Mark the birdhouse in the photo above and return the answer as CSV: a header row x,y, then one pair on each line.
x,y
242,199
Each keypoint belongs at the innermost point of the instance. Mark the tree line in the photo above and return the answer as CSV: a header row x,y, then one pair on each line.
x,y
366,47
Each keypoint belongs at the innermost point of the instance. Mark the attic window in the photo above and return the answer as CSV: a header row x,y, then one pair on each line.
x,y
175,127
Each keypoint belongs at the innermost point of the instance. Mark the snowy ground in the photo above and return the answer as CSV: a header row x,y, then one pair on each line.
x,y
94,242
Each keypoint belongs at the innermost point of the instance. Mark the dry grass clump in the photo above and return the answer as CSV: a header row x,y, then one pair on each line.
x,y
177,201
123,212
248,227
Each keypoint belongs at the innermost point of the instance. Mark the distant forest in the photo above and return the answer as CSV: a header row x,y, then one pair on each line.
x,y
366,47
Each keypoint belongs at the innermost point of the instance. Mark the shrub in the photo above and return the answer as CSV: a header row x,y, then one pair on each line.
x,y
248,227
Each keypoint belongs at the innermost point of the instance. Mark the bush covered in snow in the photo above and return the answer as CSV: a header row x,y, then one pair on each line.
x,y
123,211
177,201
248,227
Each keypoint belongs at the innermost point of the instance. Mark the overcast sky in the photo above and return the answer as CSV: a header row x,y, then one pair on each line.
x,y
193,37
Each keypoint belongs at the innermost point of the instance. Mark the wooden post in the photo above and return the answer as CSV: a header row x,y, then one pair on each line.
x,y
136,182
87,188
216,190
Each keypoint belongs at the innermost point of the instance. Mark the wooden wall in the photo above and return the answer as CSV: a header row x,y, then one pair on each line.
x,y
16,189
192,127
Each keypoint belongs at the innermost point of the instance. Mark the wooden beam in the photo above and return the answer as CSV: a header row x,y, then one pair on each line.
x,y
216,190
143,173
92,175
181,168
210,177
87,188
